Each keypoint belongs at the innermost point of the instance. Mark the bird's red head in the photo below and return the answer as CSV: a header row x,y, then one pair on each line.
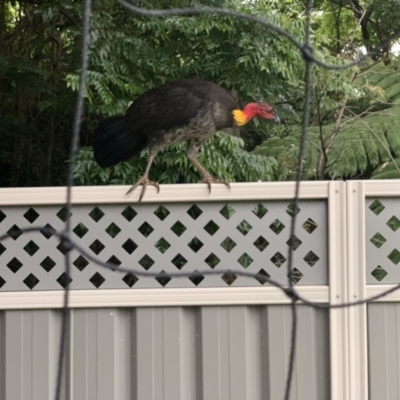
x,y
255,110
260,110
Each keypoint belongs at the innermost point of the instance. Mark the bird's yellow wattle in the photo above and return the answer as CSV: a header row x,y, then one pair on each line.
x,y
240,117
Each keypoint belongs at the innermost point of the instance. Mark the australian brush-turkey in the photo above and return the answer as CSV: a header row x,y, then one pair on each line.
x,y
188,110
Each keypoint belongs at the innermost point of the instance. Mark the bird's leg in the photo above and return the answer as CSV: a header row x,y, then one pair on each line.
x,y
144,180
191,154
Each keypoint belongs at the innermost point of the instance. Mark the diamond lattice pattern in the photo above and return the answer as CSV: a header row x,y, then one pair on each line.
x,y
165,239
382,223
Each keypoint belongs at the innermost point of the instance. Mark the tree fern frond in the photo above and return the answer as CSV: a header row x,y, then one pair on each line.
x,y
392,92
388,170
393,139
371,151
361,147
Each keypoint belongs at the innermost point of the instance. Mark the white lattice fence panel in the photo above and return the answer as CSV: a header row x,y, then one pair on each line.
x,y
252,236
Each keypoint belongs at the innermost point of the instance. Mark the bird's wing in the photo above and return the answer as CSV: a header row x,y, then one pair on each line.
x,y
159,110
174,105
233,131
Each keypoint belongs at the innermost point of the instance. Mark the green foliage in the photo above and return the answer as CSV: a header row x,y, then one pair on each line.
x,y
362,148
350,24
40,61
37,49
221,156
380,82
365,145
388,170
131,54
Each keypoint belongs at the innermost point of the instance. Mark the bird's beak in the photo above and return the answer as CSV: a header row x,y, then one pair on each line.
x,y
277,119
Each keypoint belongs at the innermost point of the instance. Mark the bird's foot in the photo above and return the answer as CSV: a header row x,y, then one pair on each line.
x,y
209,180
144,181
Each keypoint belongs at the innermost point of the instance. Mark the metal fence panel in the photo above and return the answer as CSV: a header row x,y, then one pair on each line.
x,y
384,350
2,357
30,348
311,378
100,362
187,353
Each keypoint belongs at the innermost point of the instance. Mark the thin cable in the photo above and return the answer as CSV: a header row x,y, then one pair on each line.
x,y
139,272
64,340
300,168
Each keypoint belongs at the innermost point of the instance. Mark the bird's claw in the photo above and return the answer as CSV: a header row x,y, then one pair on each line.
x,y
144,181
209,180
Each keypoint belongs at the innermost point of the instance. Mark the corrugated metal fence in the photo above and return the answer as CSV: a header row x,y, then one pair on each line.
x,y
202,337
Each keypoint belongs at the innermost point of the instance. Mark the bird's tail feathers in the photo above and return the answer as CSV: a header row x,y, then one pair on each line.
x,y
112,144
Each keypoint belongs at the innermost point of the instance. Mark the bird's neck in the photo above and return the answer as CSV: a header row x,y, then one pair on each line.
x,y
249,112
240,117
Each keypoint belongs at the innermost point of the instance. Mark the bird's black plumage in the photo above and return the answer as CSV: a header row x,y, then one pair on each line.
x,y
183,110
112,144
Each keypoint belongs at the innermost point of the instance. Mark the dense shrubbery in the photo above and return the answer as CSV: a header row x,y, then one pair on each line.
x,y
354,129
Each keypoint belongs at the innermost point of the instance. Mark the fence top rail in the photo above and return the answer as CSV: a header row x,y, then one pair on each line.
x,y
168,193
113,194
382,188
